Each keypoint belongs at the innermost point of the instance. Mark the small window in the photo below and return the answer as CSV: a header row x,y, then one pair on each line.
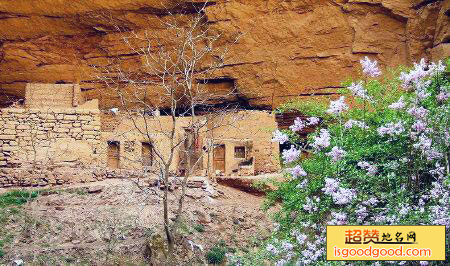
x,y
129,146
239,152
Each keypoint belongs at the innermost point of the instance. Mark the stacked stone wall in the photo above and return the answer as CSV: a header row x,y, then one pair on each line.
x,y
39,147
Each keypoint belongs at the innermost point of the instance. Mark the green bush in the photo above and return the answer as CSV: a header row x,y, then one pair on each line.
x,y
217,253
384,161
199,228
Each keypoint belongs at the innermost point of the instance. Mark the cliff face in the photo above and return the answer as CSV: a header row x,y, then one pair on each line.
x,y
286,49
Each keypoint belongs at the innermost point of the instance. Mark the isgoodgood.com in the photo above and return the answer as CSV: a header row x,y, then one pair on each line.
x,y
381,252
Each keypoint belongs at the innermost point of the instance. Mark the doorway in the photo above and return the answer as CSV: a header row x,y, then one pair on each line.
x,y
147,154
113,154
219,158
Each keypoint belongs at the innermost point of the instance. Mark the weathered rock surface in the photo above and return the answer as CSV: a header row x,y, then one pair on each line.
x,y
285,49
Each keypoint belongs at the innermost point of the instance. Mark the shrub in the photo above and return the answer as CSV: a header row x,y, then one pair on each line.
x,y
199,228
383,161
217,253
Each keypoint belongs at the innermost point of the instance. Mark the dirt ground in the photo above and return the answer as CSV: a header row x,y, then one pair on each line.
x,y
114,222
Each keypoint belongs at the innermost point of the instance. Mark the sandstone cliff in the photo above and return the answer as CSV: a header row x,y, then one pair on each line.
x,y
286,48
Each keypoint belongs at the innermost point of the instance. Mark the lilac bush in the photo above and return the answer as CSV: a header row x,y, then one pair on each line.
x,y
384,161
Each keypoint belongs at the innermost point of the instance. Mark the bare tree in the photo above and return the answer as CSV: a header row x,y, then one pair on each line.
x,y
168,99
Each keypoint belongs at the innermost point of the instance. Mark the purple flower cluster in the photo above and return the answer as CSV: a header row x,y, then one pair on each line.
x,y
298,125
370,68
440,213
442,96
361,214
286,246
302,184
312,252
338,106
331,186
312,121
336,153
379,218
371,169
272,249
391,129
344,196
281,262
297,171
341,196
419,126
309,205
338,218
439,171
358,90
415,76
322,141
280,137
404,210
301,238
291,155
398,105
371,202
425,146
421,92
418,112
350,123
435,68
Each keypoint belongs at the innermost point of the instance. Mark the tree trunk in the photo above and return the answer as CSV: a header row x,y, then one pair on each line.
x,y
167,229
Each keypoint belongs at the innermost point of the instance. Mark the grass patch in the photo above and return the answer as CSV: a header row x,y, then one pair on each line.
x,y
9,207
16,197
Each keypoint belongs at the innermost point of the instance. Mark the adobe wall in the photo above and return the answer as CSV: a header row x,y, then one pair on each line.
x,y
253,126
132,130
40,95
36,144
252,129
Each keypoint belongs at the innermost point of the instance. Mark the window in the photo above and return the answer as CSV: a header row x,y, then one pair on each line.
x,y
239,152
128,146
113,154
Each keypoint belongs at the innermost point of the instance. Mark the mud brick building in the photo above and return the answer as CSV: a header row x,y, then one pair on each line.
x,y
54,138
243,147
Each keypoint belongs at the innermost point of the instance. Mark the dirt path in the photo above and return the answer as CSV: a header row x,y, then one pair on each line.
x,y
118,221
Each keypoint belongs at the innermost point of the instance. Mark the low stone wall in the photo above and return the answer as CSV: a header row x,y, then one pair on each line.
x,y
31,139
43,175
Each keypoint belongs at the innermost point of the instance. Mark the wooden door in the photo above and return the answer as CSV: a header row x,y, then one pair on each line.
x,y
219,158
147,154
113,154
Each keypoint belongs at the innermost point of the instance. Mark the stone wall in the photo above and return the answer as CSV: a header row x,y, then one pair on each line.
x,y
36,144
